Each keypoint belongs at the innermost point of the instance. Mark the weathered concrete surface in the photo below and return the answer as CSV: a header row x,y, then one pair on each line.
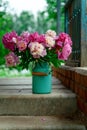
x,y
21,101
37,123
15,83
25,103
16,98
20,83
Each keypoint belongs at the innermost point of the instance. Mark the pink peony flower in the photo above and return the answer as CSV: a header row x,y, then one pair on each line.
x,y
9,40
50,42
11,59
63,38
51,33
41,39
60,44
34,37
37,49
22,45
68,40
66,51
25,36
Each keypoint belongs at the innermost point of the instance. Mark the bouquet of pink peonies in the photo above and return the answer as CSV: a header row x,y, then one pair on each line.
x,y
29,48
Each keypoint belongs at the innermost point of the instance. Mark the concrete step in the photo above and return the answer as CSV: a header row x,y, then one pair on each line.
x,y
16,98
22,102
38,123
20,83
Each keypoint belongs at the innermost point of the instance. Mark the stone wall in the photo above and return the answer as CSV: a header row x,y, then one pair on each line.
x,y
74,78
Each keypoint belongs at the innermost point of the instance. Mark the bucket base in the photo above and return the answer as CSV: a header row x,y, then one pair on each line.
x,y
41,93
41,84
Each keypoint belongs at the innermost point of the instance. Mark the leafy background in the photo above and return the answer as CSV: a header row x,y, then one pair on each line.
x,y
46,19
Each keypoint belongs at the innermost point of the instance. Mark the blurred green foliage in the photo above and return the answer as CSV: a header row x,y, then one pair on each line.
x,y
6,24
24,22
47,19
6,72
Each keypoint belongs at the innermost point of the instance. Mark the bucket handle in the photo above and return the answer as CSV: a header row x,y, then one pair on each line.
x,y
39,73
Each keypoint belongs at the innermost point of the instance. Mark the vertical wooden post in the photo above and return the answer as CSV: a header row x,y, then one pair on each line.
x,y
84,33
58,16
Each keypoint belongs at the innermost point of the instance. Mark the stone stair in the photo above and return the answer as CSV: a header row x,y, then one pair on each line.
x,y
37,123
22,110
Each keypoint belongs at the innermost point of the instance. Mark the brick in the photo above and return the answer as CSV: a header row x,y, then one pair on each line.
x,y
72,84
77,86
81,104
63,79
66,73
84,80
86,94
77,77
59,76
73,75
67,82
85,110
69,73
82,93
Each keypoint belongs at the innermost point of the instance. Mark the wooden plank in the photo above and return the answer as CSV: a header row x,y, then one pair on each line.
x,y
83,34
68,2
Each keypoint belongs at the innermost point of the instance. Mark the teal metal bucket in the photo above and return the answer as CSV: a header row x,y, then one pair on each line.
x,y
41,78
